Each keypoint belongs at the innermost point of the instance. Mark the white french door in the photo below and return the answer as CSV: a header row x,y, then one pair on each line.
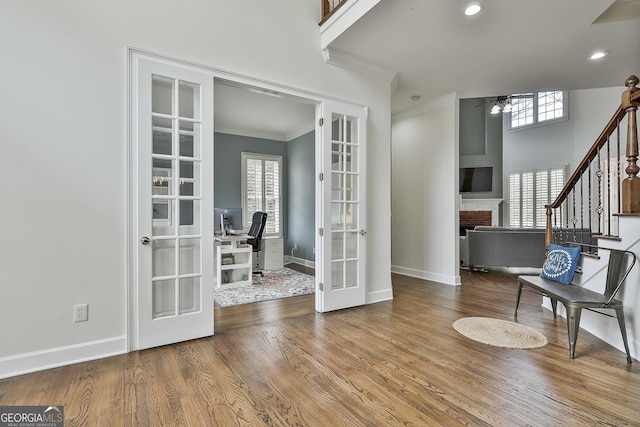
x,y
173,169
341,207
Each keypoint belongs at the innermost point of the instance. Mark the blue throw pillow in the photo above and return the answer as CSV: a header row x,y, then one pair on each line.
x,y
560,264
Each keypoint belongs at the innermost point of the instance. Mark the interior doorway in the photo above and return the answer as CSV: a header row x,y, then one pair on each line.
x,y
172,185
267,127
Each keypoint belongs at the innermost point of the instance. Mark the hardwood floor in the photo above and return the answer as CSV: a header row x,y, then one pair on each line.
x,y
398,362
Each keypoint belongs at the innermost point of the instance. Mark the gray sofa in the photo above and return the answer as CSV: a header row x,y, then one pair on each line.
x,y
502,247
513,247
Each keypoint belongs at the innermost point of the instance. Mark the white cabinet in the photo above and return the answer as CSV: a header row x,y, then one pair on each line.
x,y
233,263
272,254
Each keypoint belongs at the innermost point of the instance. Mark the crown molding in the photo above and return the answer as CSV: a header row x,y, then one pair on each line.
x,y
252,134
350,62
447,99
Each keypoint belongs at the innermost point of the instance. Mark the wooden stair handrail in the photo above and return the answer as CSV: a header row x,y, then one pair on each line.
x,y
598,144
631,185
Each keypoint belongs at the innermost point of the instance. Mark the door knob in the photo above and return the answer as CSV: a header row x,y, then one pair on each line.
x,y
362,232
145,240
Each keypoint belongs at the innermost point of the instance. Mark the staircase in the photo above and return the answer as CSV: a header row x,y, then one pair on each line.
x,y
602,197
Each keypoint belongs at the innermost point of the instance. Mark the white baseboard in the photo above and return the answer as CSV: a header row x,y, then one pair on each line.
x,y
420,274
379,296
61,356
300,261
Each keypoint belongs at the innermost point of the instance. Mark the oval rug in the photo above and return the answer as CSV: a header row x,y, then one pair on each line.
x,y
500,333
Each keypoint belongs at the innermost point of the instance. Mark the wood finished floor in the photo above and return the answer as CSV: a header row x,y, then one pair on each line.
x,y
392,363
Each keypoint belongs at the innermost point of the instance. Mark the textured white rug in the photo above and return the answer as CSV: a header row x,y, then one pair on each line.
x,y
500,333
275,284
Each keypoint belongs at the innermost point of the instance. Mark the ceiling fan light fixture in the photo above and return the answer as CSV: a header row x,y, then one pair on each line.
x,y
495,109
507,108
598,55
472,9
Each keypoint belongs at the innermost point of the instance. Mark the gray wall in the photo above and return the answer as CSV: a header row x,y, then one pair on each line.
x,y
301,191
227,183
481,143
298,186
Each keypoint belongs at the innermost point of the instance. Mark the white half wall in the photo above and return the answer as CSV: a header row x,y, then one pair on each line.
x,y
425,194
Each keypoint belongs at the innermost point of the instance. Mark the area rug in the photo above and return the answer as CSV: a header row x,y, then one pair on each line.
x,y
500,333
274,284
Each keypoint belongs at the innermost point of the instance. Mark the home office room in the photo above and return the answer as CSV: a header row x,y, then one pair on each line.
x,y
264,168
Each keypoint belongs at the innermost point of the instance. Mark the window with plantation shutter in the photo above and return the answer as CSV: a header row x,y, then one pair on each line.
x,y
261,181
529,192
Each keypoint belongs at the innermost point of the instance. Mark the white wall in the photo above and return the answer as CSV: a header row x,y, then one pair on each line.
x,y
63,131
425,194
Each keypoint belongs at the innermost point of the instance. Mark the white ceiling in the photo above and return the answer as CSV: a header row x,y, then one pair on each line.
x,y
512,46
248,111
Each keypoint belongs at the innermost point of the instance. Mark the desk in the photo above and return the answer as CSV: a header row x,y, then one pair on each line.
x,y
233,261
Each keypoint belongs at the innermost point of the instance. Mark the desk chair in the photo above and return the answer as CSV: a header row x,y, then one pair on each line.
x,y
258,222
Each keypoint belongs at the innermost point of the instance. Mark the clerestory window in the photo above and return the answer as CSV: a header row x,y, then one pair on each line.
x,y
538,108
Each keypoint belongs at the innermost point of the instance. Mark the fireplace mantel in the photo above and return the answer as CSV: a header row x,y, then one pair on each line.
x,y
492,205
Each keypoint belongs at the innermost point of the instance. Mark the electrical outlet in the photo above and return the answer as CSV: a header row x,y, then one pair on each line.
x,y
314,250
80,313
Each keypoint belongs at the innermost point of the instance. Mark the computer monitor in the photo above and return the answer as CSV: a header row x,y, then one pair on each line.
x,y
230,217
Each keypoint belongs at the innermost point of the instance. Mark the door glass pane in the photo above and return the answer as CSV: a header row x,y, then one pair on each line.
x,y
189,100
189,256
189,184
351,216
163,217
351,274
162,95
351,188
186,214
337,275
190,217
351,158
337,216
337,246
337,157
162,180
189,295
162,132
164,258
337,127
164,298
348,128
189,139
351,245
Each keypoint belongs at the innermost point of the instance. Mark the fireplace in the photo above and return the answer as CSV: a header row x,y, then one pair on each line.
x,y
475,212
470,219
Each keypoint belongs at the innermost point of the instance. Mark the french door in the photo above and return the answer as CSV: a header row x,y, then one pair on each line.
x,y
173,168
341,213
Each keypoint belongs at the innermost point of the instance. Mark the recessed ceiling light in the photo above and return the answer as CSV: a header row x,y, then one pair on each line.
x,y
598,55
472,9
415,97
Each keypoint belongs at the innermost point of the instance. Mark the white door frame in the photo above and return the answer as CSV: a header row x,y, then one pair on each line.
x,y
132,159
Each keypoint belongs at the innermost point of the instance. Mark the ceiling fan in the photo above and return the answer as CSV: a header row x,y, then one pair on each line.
x,y
503,104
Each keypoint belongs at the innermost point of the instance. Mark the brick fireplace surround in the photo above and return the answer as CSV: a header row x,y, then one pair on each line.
x,y
473,218
483,212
